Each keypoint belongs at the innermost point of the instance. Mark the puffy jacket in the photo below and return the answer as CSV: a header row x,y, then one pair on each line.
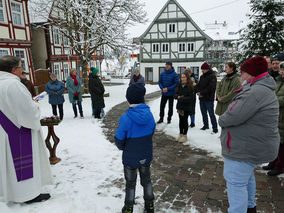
x,y
96,89
207,86
72,88
280,96
225,91
168,79
187,100
250,124
55,90
134,136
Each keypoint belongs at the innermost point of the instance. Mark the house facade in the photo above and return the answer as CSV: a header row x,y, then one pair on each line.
x,y
172,36
51,49
15,33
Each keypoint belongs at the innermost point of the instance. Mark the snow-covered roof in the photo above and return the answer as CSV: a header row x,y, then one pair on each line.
x,y
39,10
223,31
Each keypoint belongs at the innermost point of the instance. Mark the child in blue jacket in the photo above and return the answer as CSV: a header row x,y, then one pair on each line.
x,y
134,137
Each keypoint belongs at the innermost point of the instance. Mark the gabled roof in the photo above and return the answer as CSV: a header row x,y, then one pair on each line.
x,y
185,13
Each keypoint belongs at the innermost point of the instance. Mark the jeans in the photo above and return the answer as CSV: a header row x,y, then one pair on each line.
x,y
208,106
192,118
240,185
164,100
54,110
145,178
183,123
75,109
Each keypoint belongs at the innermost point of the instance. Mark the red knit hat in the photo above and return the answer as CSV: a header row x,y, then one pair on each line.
x,y
205,66
255,66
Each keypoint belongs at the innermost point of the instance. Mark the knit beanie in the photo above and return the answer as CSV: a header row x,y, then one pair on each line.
x,y
255,66
135,93
278,57
94,70
205,66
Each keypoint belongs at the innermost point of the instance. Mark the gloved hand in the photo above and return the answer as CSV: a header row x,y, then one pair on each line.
x,y
76,93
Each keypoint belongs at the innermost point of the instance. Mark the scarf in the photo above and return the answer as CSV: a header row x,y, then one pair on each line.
x,y
75,79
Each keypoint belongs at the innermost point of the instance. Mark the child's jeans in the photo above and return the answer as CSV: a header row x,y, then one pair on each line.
x,y
145,180
240,185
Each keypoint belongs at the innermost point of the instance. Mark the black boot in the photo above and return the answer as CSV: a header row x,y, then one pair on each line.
x,y
204,128
160,121
268,167
127,209
149,207
251,210
192,125
274,172
41,197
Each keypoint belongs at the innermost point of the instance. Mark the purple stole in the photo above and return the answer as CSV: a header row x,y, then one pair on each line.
x,y
21,147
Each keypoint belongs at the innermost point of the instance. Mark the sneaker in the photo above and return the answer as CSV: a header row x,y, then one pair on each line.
x,y
204,128
160,121
268,167
192,125
82,116
215,131
178,137
169,121
274,172
41,197
127,209
183,139
149,208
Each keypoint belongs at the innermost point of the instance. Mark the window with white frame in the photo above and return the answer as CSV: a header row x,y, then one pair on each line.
x,y
65,38
56,70
56,36
2,19
165,48
156,48
66,70
16,13
172,28
4,52
21,54
190,47
181,47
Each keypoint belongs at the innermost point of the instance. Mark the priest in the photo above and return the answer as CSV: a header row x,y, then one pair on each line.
x,y
24,165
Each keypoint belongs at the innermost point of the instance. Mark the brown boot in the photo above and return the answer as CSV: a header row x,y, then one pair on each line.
x,y
252,210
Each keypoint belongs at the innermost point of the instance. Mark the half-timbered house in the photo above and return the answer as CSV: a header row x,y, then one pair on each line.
x,y
15,33
172,36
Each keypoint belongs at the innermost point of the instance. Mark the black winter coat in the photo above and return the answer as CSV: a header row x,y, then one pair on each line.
x,y
186,102
96,89
207,86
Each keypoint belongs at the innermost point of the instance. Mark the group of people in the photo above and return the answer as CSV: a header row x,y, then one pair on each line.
x,y
55,90
250,107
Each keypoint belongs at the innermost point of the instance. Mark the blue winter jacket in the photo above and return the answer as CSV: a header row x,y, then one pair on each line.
x,y
169,79
55,90
134,136
72,88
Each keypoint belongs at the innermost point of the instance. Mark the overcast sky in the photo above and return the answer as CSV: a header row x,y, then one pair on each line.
x,y
234,12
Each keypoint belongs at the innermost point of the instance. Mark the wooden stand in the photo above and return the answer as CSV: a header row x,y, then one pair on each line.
x,y
52,149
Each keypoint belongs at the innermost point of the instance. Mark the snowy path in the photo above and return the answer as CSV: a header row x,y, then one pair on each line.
x,y
89,177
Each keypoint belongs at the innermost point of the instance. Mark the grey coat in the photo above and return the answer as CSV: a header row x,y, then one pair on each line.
x,y
250,124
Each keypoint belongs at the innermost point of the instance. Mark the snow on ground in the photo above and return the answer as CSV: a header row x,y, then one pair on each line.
x,y
87,177
196,137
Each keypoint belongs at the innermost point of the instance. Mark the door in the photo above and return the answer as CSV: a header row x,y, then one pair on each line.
x,y
149,74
